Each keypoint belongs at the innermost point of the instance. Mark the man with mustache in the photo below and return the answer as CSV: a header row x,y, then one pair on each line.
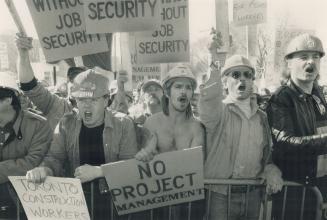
x,y
174,128
297,115
149,101
238,139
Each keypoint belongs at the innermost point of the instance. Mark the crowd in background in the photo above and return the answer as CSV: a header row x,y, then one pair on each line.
x,y
71,133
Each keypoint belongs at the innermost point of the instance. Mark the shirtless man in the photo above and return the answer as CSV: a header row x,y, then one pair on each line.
x,y
174,128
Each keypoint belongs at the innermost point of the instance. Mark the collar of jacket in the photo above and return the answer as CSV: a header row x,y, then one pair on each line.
x,y
108,117
301,94
17,124
253,103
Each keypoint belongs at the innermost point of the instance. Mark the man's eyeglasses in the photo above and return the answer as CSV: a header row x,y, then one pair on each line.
x,y
237,74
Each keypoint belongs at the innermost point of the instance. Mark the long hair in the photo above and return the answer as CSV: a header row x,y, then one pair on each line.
x,y
165,104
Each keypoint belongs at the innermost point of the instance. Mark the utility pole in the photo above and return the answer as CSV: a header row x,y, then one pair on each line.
x,y
222,28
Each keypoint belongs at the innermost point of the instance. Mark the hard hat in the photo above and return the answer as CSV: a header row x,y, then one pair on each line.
x,y
8,81
150,82
304,42
90,84
180,71
236,61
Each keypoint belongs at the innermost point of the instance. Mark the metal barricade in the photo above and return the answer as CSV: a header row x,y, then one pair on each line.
x,y
223,182
232,182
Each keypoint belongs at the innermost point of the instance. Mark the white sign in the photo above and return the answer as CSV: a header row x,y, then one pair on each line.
x,y
56,198
170,42
161,182
61,29
108,16
247,12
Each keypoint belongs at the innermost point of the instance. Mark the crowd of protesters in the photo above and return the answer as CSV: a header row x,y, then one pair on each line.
x,y
243,135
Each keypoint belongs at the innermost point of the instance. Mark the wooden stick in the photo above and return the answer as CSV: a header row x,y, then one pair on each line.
x,y
16,17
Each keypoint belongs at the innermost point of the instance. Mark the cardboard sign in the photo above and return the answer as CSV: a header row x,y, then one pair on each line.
x,y
61,29
170,42
170,178
247,12
56,198
107,16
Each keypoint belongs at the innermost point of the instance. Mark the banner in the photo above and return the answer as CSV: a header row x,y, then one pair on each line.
x,y
247,12
55,198
170,42
61,29
137,186
108,16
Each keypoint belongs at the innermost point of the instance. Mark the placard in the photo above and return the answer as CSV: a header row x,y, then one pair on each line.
x,y
61,29
170,178
247,12
108,16
170,42
55,198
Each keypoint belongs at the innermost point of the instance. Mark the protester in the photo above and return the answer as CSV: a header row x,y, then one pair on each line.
x,y
174,128
88,137
52,106
149,101
24,140
297,115
238,139
119,98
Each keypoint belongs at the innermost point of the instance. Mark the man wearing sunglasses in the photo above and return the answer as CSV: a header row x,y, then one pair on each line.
x,y
297,115
238,139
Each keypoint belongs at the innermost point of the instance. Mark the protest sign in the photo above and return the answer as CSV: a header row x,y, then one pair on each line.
x,y
56,198
161,182
61,29
170,42
144,72
108,16
247,12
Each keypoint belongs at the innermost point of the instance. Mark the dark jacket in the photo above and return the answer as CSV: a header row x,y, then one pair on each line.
x,y
294,118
